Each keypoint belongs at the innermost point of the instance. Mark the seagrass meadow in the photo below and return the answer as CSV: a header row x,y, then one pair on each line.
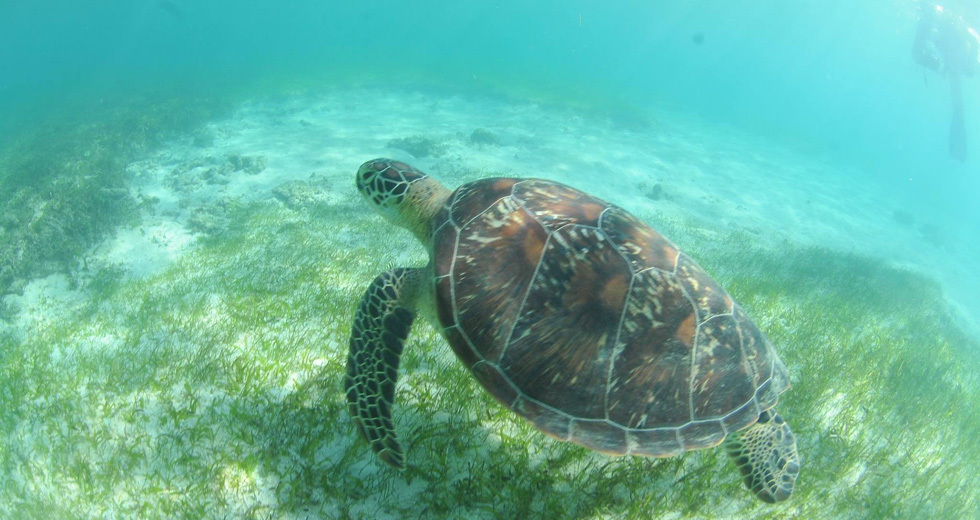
x,y
183,247
211,387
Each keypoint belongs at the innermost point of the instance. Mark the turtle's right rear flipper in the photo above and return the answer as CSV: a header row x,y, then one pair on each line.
x,y
381,324
766,455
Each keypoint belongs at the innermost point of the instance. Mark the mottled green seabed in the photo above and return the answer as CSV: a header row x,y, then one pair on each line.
x,y
212,390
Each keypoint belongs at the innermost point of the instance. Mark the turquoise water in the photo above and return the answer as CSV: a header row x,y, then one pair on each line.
x,y
829,79
182,247
834,76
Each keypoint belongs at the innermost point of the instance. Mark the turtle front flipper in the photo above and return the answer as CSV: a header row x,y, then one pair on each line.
x,y
381,324
766,455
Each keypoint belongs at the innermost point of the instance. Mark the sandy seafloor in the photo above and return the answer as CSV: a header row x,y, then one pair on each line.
x,y
715,177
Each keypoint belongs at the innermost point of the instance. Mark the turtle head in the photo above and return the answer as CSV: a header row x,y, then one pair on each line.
x,y
401,194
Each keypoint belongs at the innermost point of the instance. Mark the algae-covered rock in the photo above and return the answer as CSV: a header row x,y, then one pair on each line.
x,y
653,191
482,136
193,174
212,219
419,146
251,165
297,194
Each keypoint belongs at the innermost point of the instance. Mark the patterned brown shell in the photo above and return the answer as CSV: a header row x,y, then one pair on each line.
x,y
593,326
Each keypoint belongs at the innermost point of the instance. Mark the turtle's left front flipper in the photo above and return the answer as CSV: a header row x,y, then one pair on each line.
x,y
381,323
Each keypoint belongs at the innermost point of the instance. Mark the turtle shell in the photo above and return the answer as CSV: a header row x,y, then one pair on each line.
x,y
588,323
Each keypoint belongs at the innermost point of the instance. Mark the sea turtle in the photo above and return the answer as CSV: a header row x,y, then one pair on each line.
x,y
576,316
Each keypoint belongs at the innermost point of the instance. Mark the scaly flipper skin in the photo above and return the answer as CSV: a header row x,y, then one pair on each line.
x,y
381,324
766,455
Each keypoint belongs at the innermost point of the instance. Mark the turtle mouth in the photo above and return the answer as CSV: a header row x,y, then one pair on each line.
x,y
361,185
365,174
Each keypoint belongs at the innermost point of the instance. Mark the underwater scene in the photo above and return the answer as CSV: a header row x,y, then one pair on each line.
x,y
510,259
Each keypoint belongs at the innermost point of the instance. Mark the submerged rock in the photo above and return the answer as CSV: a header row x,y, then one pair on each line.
x,y
419,146
482,136
192,174
653,192
212,219
298,194
252,165
189,176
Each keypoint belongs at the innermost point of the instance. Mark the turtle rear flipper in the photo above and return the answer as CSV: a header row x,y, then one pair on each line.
x,y
766,455
381,324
